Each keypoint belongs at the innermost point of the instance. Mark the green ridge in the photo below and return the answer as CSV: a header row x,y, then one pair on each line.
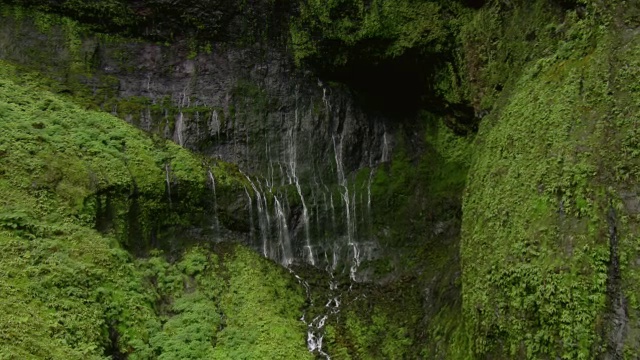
x,y
71,292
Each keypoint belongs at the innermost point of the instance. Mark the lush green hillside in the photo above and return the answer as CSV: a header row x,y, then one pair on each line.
x,y
549,228
77,187
508,213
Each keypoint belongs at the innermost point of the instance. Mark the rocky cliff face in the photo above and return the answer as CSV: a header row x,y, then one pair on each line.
x,y
547,265
331,180
549,230
300,141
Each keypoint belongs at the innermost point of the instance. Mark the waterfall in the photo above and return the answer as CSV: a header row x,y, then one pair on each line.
x,y
333,211
179,126
310,211
385,147
267,223
315,327
354,214
263,218
214,124
302,208
369,191
177,138
305,219
291,161
251,229
342,181
216,221
314,342
167,171
284,241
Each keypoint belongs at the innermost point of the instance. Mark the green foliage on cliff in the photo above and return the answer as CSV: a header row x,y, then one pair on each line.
x,y
342,31
72,292
377,323
547,232
551,217
167,20
52,146
416,202
535,261
499,40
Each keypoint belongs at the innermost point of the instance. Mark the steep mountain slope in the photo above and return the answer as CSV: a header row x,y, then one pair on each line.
x,y
448,179
549,225
78,188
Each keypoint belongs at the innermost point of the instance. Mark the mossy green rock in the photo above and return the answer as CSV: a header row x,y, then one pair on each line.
x,y
72,292
549,234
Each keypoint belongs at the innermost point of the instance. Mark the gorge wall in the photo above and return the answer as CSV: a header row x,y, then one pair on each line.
x,y
464,173
298,140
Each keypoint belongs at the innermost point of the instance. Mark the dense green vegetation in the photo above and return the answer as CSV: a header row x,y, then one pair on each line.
x,y
94,216
78,187
550,211
342,32
165,20
541,241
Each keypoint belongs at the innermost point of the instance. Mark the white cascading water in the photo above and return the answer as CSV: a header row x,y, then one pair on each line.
x,y
291,161
267,223
342,181
179,126
333,211
385,148
275,237
262,218
251,232
270,178
354,214
167,171
284,241
216,221
214,124
315,327
179,129
273,211
369,190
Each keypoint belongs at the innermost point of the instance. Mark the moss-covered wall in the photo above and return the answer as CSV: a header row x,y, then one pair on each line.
x,y
147,192
82,193
548,222
518,242
165,21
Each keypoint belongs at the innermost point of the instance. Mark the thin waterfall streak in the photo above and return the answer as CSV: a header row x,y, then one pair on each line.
x,y
315,327
282,174
267,219
326,205
214,124
291,161
262,222
355,214
179,129
346,200
179,125
283,233
267,154
167,171
216,221
342,180
305,216
333,212
251,228
369,192
385,147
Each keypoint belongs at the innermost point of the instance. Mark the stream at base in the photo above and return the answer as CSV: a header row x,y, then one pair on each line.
x,y
316,325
